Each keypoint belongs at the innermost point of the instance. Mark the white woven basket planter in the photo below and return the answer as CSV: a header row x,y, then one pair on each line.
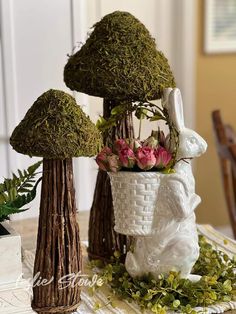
x,y
134,198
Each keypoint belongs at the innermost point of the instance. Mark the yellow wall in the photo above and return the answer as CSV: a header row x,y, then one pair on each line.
x,y
216,89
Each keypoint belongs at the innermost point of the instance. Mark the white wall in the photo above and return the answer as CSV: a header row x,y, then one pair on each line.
x,y
3,152
35,38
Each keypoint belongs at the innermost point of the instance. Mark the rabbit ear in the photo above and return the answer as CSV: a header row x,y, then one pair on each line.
x,y
176,109
165,97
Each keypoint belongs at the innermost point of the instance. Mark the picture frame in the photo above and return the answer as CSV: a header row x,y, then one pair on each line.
x,y
220,26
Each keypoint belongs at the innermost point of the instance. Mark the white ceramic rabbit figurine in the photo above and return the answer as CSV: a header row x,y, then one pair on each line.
x,y
173,244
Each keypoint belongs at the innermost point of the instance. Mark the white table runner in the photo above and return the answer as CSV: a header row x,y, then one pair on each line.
x,y
16,299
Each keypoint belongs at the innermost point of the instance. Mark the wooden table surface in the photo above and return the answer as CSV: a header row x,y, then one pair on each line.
x,y
27,228
28,231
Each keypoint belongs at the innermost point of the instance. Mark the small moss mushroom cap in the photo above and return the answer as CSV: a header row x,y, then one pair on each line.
x,y
55,127
119,61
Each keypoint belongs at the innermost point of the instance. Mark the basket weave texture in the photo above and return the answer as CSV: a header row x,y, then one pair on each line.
x,y
134,199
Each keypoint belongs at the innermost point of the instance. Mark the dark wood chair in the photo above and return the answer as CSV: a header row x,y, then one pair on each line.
x,y
226,148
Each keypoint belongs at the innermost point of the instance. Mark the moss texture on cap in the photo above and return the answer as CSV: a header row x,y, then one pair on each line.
x,y
119,61
55,127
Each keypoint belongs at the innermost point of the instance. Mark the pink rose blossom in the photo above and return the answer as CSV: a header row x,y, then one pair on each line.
x,y
145,158
119,144
127,157
102,158
163,157
113,163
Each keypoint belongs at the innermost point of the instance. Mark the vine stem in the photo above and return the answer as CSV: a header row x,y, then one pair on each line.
x,y
140,128
153,105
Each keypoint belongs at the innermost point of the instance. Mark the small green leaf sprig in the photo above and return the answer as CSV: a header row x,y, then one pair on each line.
x,y
18,191
170,292
142,110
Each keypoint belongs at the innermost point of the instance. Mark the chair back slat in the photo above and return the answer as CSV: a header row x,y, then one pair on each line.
x,y
226,148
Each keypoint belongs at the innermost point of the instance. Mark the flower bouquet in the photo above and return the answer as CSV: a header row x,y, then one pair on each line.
x,y
134,168
136,155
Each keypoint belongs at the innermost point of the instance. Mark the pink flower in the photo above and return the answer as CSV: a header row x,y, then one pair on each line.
x,y
127,157
113,163
163,157
119,144
145,158
102,158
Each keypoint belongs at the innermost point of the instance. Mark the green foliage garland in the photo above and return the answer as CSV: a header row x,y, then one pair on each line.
x,y
18,191
218,283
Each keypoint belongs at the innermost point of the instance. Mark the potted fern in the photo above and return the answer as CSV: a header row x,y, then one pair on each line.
x,y
15,193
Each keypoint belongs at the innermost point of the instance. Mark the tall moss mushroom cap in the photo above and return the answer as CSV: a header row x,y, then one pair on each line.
x,y
55,127
119,61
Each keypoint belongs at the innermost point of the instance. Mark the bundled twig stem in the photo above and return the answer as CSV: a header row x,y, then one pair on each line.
x,y
58,251
103,240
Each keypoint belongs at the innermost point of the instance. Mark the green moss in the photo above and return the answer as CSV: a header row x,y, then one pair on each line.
x,y
55,127
119,61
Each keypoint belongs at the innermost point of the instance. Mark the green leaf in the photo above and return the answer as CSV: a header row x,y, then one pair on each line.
x,y
213,295
168,171
140,113
156,117
117,254
227,285
32,169
176,303
103,124
100,122
18,191
226,298
6,210
118,110
20,173
3,198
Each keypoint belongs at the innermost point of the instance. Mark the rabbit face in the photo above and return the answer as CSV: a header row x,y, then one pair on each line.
x,y
191,144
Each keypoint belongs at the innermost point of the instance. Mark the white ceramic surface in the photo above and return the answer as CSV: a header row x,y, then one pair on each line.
x,y
171,240
10,256
135,195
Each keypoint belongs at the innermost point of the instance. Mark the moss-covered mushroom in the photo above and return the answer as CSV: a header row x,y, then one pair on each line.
x,y
120,63
56,129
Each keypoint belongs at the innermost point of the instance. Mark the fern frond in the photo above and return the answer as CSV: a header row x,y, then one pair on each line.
x,y
18,191
24,199
3,198
32,169
21,179
6,211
